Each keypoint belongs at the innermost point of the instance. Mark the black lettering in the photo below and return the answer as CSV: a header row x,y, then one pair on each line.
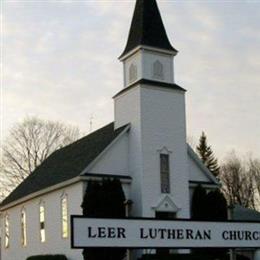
x,y
225,235
198,236
142,235
207,234
256,235
180,234
171,233
152,233
240,235
161,232
232,235
121,233
248,235
102,232
111,232
90,233
189,234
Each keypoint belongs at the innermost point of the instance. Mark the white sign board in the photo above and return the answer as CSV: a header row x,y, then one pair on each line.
x,y
154,233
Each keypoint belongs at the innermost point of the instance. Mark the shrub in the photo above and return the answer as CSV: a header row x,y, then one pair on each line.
x,y
189,257
47,257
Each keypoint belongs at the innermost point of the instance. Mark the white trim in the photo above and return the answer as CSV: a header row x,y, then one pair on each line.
x,y
204,185
90,165
54,188
41,192
166,199
129,89
164,150
150,86
98,178
132,82
140,47
199,163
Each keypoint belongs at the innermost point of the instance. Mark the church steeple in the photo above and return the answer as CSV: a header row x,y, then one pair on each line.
x,y
154,107
147,28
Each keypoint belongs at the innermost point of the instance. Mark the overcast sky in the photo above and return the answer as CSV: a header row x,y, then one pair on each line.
x,y
60,63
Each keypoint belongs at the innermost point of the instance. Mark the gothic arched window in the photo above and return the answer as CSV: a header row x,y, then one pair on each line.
x,y
158,70
7,231
42,222
132,73
64,216
23,228
165,173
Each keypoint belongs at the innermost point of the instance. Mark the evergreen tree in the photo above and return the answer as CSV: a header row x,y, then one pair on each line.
x,y
216,210
216,206
199,210
91,202
199,204
206,155
104,200
209,206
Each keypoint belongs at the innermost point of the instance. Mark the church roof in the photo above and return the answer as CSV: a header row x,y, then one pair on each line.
x,y
148,82
66,163
147,28
243,214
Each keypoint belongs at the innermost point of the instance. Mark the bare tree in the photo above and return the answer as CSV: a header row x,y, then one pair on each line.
x,y
254,165
28,145
239,181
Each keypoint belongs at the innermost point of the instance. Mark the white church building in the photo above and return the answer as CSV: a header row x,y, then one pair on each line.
x,y
145,147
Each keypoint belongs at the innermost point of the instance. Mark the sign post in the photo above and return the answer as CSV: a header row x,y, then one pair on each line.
x,y
154,233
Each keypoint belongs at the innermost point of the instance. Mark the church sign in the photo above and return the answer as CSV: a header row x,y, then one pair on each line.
x,y
154,233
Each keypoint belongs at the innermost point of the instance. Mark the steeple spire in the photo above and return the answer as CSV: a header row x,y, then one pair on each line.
x,y
147,28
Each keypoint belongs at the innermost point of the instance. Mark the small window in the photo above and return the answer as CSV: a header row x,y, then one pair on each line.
x,y
42,223
7,231
64,216
132,73
23,228
158,70
165,173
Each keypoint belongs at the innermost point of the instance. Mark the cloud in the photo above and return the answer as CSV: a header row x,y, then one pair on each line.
x,y
60,62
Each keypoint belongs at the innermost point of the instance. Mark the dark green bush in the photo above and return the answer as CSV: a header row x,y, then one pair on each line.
x,y
47,257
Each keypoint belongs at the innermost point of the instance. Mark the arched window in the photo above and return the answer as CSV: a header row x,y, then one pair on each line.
x,y
42,222
23,228
132,73
165,173
158,70
7,231
64,216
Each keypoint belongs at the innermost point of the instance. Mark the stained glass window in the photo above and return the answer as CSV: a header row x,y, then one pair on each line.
x,y
165,173
64,216
7,231
23,228
42,223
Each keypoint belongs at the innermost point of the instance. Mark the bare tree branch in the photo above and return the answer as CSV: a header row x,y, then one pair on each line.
x,y
27,146
240,181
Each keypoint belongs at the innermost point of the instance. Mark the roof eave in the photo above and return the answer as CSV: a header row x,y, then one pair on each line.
x,y
125,55
159,84
91,164
202,166
124,179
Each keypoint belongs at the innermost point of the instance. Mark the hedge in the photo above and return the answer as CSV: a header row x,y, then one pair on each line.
x,y
47,257
187,257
